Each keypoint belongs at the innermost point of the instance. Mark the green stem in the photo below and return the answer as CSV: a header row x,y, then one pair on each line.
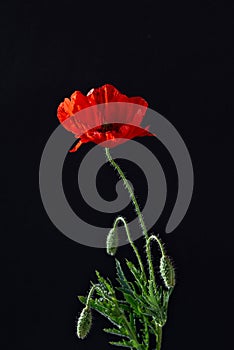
x,y
158,241
147,239
138,211
120,218
146,333
92,290
129,188
159,337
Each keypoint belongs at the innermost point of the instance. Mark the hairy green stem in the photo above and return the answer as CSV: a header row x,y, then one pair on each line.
x,y
92,290
120,218
158,337
158,328
153,237
158,241
130,190
138,211
147,333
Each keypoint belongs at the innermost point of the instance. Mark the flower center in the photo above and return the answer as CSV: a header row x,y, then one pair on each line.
x,y
108,127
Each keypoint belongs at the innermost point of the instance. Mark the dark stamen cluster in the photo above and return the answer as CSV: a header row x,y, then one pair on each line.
x,y
108,127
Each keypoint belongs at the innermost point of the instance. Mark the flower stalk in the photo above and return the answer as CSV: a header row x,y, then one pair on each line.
x,y
158,337
138,212
145,302
116,222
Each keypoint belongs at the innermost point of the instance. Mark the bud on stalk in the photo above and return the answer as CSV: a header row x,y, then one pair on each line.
x,y
167,271
112,241
84,323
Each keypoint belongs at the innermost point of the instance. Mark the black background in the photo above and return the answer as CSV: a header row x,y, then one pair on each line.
x,y
178,56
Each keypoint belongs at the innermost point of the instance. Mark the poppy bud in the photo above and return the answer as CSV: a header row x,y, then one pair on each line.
x,y
167,271
84,323
112,241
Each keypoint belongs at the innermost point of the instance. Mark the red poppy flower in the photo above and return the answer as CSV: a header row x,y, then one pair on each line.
x,y
111,119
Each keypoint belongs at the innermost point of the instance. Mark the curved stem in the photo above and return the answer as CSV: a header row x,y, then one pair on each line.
x,y
90,294
138,211
92,290
158,241
120,218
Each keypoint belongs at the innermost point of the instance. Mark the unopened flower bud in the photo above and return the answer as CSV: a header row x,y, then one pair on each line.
x,y
84,323
167,271
112,241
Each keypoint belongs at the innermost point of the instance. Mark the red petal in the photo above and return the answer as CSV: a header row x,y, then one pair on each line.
x,y
104,94
74,149
76,117
79,102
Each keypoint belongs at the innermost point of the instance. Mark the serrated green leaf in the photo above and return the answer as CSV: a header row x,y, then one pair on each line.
x,y
145,335
120,332
82,299
122,279
139,279
126,344
105,285
132,321
108,309
142,305
130,299
151,288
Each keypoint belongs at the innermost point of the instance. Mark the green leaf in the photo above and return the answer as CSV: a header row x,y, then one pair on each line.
x,y
132,321
145,332
139,279
131,300
122,279
121,332
82,299
105,285
107,308
141,304
124,343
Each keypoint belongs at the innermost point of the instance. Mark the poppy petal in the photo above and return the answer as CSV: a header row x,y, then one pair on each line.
x,y
111,123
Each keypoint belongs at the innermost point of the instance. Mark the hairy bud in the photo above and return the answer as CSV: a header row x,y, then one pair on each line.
x,y
84,323
112,241
167,271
